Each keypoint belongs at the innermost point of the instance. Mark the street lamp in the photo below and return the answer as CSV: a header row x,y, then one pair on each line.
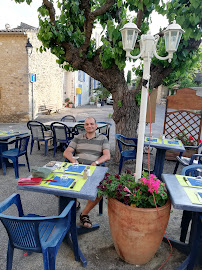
x,y
29,47
148,44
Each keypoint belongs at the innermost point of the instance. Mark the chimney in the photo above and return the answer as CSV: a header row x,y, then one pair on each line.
x,y
7,26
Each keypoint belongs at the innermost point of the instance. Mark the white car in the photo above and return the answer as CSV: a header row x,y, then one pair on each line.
x,y
110,100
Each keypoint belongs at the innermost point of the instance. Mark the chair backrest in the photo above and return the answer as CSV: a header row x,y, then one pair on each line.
x,y
68,118
79,128
37,129
106,129
61,133
23,143
192,170
122,140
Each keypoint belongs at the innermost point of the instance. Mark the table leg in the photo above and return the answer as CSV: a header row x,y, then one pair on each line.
x,y
193,248
63,201
159,162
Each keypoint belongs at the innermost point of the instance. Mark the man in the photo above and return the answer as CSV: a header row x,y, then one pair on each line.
x,y
92,149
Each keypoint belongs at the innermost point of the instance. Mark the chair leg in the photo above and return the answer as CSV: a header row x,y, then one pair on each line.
x,y
10,252
120,165
51,258
16,167
27,161
45,259
55,148
176,167
101,207
73,232
38,145
46,147
186,218
32,144
3,165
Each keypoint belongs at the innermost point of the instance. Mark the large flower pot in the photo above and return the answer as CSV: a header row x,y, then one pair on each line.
x,y
137,232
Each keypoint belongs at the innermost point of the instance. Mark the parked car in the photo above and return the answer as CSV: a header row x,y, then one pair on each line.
x,y
110,100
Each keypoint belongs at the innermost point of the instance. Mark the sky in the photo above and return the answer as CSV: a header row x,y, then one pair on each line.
x,y
13,14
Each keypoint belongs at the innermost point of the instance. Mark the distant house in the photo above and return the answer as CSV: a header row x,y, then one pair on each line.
x,y
20,99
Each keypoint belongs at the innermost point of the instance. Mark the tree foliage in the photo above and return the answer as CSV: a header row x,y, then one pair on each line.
x,y
68,35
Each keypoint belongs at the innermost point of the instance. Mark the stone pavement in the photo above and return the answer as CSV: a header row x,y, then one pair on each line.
x,y
96,246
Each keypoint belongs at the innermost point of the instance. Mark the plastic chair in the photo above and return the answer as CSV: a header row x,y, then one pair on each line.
x,y
195,159
78,129
192,170
38,134
61,134
68,118
126,154
33,233
105,130
15,153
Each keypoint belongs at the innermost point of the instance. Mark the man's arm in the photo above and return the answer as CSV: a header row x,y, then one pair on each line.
x,y
103,158
68,153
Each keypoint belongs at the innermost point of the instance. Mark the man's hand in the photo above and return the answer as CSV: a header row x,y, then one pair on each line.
x,y
93,164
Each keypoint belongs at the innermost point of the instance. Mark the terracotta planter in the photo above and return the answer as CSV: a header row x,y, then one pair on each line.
x,y
136,232
171,155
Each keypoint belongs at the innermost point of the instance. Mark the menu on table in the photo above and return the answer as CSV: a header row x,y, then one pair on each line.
x,y
153,140
69,168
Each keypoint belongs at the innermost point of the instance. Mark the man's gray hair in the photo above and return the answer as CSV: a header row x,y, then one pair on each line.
x,y
91,117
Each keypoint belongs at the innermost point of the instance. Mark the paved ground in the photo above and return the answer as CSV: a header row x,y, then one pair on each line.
x,y
97,246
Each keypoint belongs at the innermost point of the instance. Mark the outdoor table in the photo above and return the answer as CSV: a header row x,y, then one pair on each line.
x,y
73,124
180,200
162,145
7,137
87,192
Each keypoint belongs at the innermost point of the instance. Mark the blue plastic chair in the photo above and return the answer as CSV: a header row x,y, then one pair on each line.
x,y
195,159
14,154
68,118
126,154
37,130
105,130
192,170
33,233
61,134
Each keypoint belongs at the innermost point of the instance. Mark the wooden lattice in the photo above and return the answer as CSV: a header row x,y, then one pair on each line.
x,y
183,123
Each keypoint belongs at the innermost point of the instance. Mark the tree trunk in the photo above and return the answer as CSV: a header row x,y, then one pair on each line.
x,y
126,114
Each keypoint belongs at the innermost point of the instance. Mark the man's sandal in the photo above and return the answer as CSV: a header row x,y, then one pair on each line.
x,y
85,219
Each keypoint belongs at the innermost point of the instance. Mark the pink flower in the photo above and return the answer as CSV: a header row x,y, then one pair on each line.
x,y
126,189
143,180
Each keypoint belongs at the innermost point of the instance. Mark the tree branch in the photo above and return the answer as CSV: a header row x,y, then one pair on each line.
x,y
90,17
51,9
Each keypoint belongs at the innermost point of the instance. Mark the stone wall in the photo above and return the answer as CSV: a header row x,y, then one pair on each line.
x,y
15,86
13,78
48,89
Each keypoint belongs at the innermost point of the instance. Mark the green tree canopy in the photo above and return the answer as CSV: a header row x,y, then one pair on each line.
x,y
69,36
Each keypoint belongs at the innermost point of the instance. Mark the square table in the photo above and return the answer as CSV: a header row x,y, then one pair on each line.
x,y
180,200
162,145
87,192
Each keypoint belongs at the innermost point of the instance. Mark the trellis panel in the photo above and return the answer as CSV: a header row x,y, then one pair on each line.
x,y
183,120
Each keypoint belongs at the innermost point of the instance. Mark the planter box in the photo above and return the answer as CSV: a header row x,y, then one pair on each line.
x,y
92,103
171,155
98,105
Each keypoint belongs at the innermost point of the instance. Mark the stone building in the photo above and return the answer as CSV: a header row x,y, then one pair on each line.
x,y
20,99
16,91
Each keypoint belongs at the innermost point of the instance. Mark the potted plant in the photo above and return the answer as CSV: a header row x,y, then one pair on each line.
x,y
137,225
70,104
92,100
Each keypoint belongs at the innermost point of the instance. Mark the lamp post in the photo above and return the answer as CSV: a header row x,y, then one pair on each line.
x,y
29,49
147,50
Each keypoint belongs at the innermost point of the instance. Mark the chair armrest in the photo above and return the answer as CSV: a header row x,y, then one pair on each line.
x,y
67,209
13,199
195,156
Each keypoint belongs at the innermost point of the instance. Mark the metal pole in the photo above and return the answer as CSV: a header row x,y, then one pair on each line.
x,y
32,100
142,118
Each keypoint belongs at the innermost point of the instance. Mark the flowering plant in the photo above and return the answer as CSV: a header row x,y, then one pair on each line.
x,y
137,194
186,139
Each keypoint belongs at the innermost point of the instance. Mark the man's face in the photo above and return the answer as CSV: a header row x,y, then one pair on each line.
x,y
90,125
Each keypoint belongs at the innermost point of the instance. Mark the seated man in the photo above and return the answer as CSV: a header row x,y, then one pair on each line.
x,y
92,149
